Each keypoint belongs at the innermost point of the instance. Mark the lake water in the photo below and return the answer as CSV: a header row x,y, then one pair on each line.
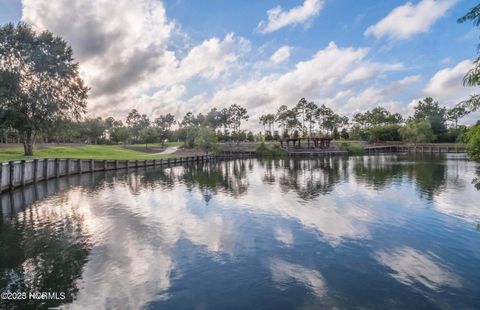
x,y
395,232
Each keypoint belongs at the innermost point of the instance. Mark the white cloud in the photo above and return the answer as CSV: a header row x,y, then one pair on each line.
x,y
122,47
375,96
212,57
319,78
128,62
407,20
446,87
447,84
277,18
282,54
368,71
118,43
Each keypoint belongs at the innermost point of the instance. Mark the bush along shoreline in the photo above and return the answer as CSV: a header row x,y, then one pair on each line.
x,y
270,150
353,148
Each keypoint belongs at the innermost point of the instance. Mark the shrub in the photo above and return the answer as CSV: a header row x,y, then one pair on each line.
x,y
270,150
473,143
353,148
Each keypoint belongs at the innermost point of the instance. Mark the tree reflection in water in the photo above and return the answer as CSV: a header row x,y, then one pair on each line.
x,y
476,181
44,238
44,246
148,214
308,178
42,250
227,176
429,172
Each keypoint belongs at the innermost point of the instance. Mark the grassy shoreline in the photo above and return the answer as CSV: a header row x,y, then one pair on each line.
x,y
107,152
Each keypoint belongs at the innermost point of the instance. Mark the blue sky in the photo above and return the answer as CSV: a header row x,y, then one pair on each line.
x,y
175,56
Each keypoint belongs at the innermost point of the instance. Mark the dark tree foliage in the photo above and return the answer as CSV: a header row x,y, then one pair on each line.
x,y
472,78
429,110
40,82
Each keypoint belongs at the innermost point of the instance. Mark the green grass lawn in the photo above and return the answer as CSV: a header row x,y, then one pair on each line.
x,y
81,152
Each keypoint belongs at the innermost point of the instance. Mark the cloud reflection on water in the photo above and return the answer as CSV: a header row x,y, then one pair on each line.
x,y
135,222
412,267
284,273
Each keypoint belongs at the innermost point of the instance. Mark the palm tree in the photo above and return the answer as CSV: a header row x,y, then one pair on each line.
x,y
263,121
301,109
281,116
270,119
310,116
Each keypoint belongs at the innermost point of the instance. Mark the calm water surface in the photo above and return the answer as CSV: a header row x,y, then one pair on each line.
x,y
395,232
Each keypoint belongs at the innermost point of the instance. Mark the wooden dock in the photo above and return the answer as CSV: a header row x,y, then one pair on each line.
x,y
416,148
235,149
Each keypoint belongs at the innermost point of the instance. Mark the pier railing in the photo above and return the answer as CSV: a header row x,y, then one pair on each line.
x,y
227,149
418,148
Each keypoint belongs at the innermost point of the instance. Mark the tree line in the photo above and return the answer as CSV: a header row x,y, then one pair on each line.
x,y
225,125
430,123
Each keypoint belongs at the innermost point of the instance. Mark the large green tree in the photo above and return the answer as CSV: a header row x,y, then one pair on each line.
x,y
93,129
206,140
377,116
237,114
148,135
164,124
137,122
429,110
40,82
456,113
417,131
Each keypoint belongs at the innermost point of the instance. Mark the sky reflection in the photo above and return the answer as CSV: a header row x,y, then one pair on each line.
x,y
299,232
412,267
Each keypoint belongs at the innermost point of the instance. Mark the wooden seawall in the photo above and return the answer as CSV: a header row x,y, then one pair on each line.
x,y
19,173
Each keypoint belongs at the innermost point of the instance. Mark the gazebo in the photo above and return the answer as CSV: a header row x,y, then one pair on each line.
x,y
310,143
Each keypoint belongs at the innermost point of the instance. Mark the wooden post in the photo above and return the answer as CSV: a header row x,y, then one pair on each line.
x,y
79,166
136,163
22,169
104,165
35,168
68,166
92,165
11,178
57,168
116,164
145,163
45,168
